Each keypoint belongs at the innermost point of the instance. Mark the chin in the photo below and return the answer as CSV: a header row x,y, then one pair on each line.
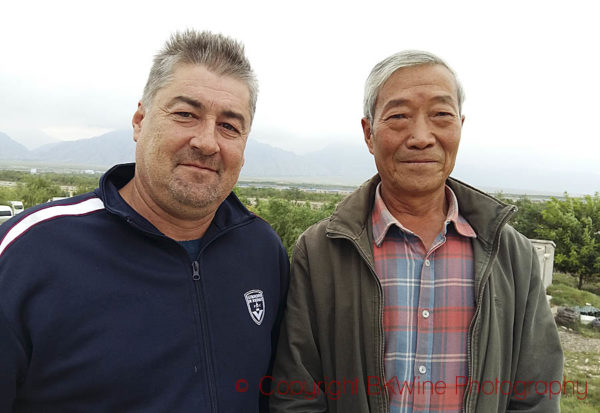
x,y
416,187
193,196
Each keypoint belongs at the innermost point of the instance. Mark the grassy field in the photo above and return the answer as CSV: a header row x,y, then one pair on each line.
x,y
564,292
581,367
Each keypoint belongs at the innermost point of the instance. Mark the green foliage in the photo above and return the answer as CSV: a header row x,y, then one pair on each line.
x,y
65,179
564,278
7,194
12,176
36,189
84,188
289,219
78,180
564,292
292,194
289,211
564,295
528,217
574,225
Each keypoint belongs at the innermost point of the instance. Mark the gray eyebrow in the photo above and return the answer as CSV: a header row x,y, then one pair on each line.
x,y
199,105
192,102
399,102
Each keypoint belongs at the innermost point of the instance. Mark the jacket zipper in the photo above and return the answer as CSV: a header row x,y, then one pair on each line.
x,y
484,280
203,320
201,306
379,309
200,297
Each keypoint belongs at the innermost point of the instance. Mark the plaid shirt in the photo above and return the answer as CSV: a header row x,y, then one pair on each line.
x,y
428,305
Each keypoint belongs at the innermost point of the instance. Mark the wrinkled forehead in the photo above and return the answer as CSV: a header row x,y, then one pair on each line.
x,y
184,72
433,77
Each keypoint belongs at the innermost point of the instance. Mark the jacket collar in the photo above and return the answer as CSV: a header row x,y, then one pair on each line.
x,y
382,219
230,213
484,213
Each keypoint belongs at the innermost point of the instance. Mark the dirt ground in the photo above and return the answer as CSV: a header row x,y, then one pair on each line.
x,y
578,343
582,360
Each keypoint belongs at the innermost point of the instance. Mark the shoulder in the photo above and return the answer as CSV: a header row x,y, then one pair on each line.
x,y
233,214
261,229
316,234
47,217
516,257
514,241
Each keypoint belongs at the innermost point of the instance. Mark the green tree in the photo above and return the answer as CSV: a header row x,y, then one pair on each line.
x,y
7,194
290,219
35,189
574,225
528,218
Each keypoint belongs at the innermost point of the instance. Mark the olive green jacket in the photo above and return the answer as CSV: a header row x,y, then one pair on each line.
x,y
331,348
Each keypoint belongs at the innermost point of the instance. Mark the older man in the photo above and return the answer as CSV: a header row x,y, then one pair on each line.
x,y
159,291
416,295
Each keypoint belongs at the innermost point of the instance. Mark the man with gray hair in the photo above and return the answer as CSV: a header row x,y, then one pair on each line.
x,y
159,291
416,295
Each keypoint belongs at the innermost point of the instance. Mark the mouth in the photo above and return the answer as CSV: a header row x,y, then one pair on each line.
x,y
199,167
419,161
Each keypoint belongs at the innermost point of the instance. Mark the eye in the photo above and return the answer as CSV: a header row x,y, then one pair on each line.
x,y
442,114
397,116
230,127
184,114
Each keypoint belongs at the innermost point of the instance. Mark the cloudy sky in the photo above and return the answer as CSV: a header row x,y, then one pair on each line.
x,y
531,71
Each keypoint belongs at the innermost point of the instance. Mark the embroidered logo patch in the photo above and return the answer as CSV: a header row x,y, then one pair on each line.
x,y
256,305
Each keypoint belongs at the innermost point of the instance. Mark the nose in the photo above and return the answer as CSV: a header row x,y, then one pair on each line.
x,y
421,134
204,138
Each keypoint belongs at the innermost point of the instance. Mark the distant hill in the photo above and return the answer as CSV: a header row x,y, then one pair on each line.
x,y
11,149
334,164
31,138
104,150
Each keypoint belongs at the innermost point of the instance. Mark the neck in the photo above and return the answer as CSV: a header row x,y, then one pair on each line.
x,y
423,214
173,226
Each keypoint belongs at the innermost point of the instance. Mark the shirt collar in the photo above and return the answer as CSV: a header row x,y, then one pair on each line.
x,y
383,218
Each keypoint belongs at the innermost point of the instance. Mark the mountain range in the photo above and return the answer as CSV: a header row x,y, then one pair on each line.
x,y
336,164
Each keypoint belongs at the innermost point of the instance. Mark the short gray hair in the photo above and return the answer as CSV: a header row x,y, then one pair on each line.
x,y
387,67
219,54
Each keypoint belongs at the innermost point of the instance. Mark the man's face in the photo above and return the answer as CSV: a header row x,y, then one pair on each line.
x,y
191,140
416,130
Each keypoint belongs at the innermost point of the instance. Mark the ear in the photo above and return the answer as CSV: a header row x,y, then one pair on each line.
x,y
137,120
367,131
462,120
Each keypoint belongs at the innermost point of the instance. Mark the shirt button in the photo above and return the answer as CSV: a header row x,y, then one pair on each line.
x,y
422,369
425,313
427,263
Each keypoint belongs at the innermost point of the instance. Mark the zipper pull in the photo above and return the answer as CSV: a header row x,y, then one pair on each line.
x,y
196,271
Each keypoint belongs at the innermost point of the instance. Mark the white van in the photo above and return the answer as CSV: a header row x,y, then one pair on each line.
x,y
6,213
17,206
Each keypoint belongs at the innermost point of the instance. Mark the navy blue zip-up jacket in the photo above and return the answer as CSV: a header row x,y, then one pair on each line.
x,y
100,312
